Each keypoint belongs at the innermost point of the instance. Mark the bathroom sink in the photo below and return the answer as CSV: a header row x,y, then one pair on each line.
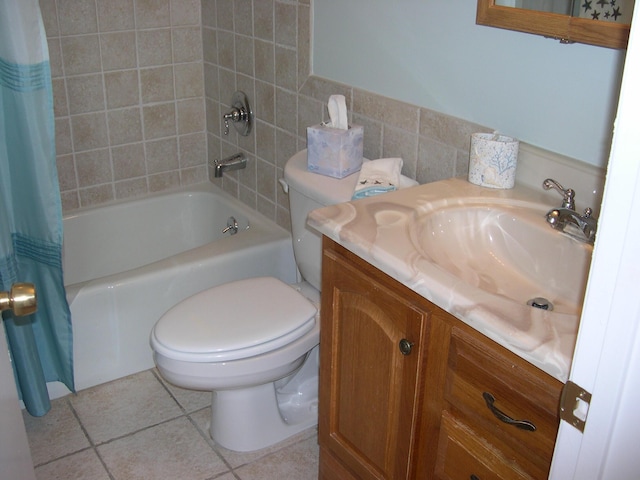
x,y
505,250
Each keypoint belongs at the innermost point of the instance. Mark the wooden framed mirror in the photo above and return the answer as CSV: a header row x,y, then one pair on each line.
x,y
566,28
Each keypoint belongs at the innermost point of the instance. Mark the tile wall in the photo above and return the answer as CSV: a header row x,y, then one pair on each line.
x,y
128,96
135,81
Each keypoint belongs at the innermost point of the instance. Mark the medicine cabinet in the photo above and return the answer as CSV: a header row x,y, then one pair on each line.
x,y
524,16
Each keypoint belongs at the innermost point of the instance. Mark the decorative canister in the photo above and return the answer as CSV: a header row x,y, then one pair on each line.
x,y
492,160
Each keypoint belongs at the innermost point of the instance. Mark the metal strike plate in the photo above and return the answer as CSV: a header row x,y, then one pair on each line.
x,y
574,405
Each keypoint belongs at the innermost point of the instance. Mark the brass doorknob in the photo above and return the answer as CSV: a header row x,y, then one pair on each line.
x,y
21,299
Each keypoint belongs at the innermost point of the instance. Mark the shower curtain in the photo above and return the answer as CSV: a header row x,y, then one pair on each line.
x,y
30,211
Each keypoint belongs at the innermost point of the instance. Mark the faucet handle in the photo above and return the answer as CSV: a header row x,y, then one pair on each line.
x,y
567,194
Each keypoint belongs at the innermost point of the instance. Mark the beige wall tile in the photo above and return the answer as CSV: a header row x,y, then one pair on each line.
x,y
226,49
64,143
118,50
224,14
152,13
189,80
162,155
49,17
286,68
60,107
156,84
243,17
209,44
192,150
159,120
244,54
86,94
164,181
187,44
266,180
128,161
115,15
55,57
264,61
80,54
125,126
66,172
93,167
185,12
209,14
89,131
134,187
286,17
77,16
121,88
263,19
191,116
154,47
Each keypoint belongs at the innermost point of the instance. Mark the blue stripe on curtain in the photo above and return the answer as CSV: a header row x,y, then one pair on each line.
x,y
41,344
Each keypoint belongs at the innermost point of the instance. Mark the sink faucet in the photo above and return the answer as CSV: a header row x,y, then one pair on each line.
x,y
566,219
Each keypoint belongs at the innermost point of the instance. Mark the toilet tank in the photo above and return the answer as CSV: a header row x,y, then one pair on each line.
x,y
308,191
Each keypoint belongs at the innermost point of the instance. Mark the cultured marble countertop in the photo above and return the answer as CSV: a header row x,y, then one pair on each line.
x,y
378,230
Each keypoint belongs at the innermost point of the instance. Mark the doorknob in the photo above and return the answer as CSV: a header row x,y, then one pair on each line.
x,y
21,299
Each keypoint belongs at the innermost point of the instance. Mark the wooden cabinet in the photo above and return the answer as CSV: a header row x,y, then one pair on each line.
x,y
370,388
409,392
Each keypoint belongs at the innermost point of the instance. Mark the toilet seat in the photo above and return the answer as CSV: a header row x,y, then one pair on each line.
x,y
235,320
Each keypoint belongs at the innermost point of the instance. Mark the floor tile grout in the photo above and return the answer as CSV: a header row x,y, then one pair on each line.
x,y
107,406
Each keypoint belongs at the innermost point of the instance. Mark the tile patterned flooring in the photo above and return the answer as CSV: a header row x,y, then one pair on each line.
x,y
140,427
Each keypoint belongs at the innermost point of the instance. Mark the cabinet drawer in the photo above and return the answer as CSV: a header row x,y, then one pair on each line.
x,y
520,391
462,454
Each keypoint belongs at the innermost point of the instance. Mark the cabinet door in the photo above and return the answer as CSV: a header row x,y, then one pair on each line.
x,y
369,386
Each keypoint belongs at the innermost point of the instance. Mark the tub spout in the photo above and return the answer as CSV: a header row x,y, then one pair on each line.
x,y
234,162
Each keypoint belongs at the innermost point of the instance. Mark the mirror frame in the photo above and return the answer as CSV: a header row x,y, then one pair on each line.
x,y
565,28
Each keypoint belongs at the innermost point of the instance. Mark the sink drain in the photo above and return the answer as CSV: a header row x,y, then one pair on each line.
x,y
541,303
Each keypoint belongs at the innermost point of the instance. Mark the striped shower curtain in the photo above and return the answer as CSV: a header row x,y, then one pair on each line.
x,y
30,212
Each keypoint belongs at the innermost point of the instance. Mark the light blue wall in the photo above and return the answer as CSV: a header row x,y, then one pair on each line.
x,y
431,53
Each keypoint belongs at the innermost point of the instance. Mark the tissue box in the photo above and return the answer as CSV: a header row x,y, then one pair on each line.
x,y
334,152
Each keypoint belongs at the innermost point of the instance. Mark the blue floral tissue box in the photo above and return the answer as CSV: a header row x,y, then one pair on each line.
x,y
334,152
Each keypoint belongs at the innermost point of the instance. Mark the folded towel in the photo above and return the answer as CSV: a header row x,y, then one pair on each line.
x,y
378,176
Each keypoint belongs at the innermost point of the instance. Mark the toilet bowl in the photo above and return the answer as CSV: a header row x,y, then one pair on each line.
x,y
237,340
254,343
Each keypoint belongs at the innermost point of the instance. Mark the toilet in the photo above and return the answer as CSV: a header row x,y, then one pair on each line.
x,y
255,342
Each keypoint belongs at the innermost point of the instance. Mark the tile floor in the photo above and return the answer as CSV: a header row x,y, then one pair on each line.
x,y
140,427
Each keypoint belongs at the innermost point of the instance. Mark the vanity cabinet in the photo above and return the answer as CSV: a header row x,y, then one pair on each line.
x,y
407,391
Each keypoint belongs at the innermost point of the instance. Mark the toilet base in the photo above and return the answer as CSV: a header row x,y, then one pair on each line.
x,y
249,419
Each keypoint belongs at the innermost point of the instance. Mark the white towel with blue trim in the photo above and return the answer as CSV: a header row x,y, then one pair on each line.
x,y
378,176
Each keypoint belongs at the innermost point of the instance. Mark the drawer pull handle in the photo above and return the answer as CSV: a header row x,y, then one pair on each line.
x,y
474,477
503,417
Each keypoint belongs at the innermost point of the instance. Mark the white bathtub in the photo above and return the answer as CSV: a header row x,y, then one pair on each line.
x,y
125,264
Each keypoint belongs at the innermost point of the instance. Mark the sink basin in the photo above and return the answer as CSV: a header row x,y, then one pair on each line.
x,y
505,250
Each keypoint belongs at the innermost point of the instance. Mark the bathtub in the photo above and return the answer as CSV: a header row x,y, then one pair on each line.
x,y
127,263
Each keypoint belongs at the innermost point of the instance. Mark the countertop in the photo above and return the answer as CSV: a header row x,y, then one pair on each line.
x,y
377,230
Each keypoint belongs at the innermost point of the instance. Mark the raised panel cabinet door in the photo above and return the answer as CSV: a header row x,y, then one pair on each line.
x,y
372,344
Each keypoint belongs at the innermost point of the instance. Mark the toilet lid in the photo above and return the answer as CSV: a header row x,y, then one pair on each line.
x,y
234,320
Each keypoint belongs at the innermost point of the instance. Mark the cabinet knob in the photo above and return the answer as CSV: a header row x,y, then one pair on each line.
x,y
405,346
474,477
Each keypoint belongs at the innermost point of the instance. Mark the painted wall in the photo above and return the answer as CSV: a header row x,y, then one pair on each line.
x,y
432,54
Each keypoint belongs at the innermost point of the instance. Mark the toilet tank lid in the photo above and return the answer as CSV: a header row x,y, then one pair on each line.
x,y
321,188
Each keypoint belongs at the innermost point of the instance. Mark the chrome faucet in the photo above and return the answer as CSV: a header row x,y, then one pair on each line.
x,y
233,162
566,219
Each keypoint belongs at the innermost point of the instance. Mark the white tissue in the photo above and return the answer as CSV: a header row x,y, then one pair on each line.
x,y
378,176
338,112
